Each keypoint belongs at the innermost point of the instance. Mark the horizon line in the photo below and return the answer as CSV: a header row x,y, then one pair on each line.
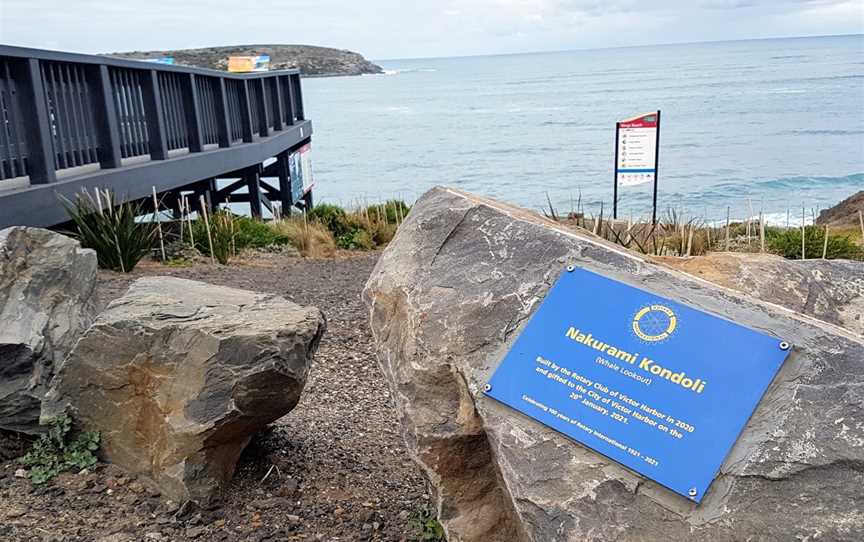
x,y
585,49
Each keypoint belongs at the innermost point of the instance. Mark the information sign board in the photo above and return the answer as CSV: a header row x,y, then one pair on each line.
x,y
300,169
658,386
636,162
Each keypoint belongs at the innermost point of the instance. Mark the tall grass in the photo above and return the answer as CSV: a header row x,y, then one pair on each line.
x,y
311,239
111,230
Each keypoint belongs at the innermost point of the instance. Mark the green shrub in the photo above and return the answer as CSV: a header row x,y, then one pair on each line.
x,y
787,243
427,526
112,231
394,210
332,216
251,233
55,452
357,239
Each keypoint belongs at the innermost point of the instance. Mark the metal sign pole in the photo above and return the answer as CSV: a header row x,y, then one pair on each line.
x,y
615,176
656,168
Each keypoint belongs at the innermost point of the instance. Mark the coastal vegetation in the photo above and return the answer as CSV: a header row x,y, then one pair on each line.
x,y
123,235
113,231
58,451
677,234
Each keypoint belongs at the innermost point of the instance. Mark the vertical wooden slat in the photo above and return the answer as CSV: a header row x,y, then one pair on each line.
x,y
276,100
223,124
263,122
40,145
116,90
54,116
76,118
64,117
245,112
193,115
290,113
298,97
155,118
106,117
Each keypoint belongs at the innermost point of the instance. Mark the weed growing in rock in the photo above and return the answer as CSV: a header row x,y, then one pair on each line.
x,y
427,526
56,452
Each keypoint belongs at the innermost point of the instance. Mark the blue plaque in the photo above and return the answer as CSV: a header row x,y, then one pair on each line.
x,y
660,387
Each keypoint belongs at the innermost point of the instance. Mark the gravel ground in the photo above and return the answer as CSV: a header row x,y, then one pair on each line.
x,y
334,469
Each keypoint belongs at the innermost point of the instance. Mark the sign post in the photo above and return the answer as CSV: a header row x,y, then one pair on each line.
x,y
637,155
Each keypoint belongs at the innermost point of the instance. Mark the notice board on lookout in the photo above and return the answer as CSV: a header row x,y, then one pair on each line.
x,y
660,387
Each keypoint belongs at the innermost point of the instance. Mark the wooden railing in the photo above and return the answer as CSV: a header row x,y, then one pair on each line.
x,y
60,111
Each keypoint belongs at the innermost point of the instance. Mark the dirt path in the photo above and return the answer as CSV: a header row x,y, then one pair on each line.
x,y
336,468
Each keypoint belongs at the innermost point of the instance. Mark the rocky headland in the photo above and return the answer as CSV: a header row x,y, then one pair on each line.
x,y
313,61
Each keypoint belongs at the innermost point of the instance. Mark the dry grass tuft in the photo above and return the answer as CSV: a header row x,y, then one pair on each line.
x,y
311,239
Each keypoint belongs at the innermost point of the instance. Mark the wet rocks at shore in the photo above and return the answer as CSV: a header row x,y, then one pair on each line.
x,y
47,285
178,375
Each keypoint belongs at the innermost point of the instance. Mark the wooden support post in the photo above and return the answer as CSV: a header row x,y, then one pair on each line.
x,y
105,116
38,135
223,123
152,96
263,122
253,183
276,100
192,106
245,112
286,198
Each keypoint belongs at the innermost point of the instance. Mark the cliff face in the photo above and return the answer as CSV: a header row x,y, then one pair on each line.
x,y
311,60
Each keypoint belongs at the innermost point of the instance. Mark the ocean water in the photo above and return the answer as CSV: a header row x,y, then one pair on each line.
x,y
767,125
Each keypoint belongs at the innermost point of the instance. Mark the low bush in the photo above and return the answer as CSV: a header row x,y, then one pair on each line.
x,y
57,452
356,239
787,243
311,239
333,217
250,233
111,231
427,526
231,233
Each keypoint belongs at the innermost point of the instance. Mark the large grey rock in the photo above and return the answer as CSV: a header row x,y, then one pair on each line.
x,y
178,375
830,290
449,296
47,300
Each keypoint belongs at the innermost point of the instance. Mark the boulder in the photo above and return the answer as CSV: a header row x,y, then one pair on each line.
x,y
449,296
47,285
830,290
178,375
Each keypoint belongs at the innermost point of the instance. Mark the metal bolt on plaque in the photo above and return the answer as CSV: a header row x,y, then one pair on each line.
x,y
693,492
785,346
487,387
570,268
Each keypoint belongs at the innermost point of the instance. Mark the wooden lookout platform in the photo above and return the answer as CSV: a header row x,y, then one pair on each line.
x,y
73,122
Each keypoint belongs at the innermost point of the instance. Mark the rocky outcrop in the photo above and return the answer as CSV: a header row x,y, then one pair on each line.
x,y
448,298
845,214
47,284
178,375
309,59
830,290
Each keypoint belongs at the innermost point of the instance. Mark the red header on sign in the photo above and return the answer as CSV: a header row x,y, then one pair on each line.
x,y
648,120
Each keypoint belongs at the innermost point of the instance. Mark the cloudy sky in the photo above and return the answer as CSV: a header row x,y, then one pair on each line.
x,y
385,29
